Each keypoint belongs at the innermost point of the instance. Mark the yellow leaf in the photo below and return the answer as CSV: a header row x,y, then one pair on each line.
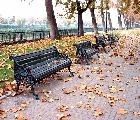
x,y
122,111
98,112
20,117
2,114
63,108
136,113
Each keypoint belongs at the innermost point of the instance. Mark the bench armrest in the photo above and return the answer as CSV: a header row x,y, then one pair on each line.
x,y
22,70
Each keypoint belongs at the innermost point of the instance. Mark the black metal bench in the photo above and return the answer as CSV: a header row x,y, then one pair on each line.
x,y
85,50
32,67
112,39
100,42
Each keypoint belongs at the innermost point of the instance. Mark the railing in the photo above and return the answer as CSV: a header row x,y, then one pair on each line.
x,y
16,37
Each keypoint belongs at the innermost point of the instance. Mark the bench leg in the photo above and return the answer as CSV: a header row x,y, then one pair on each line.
x,y
111,45
70,71
18,84
18,79
33,92
87,62
31,83
104,49
98,55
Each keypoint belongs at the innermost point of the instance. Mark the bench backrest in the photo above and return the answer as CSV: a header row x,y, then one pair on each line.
x,y
86,44
35,57
112,37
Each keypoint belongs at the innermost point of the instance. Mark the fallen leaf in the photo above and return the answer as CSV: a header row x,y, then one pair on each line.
x,y
100,78
16,109
68,90
63,116
63,108
136,78
112,89
91,97
87,106
20,117
50,100
80,104
13,93
136,113
1,91
2,114
79,77
109,63
98,112
82,86
8,86
122,111
68,79
23,105
44,99
45,81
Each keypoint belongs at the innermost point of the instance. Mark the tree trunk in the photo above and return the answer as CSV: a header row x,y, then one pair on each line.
x,y
80,20
110,22
80,24
51,20
132,21
102,16
119,20
127,24
125,21
94,23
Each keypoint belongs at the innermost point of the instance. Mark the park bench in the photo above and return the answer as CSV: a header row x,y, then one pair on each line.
x,y
111,39
32,67
100,42
85,50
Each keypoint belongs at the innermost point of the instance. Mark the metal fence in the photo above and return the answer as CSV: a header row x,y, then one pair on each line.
x,y
16,37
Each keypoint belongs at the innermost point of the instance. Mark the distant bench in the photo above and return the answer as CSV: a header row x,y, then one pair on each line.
x,y
85,50
102,41
33,67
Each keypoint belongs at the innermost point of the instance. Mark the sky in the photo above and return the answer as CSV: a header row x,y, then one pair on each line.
x,y
9,8
36,9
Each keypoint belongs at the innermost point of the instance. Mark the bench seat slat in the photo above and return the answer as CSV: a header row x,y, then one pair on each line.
x,y
46,68
85,50
34,55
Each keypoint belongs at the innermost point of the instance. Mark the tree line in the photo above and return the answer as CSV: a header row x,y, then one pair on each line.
x,y
128,9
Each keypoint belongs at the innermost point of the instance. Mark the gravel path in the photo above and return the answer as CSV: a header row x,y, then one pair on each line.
x,y
107,89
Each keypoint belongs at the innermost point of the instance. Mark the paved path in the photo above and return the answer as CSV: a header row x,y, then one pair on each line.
x,y
109,87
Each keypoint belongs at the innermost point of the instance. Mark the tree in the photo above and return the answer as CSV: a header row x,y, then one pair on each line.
x,y
106,19
109,20
119,19
102,15
130,9
21,22
71,7
51,19
108,6
80,19
94,23
1,20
